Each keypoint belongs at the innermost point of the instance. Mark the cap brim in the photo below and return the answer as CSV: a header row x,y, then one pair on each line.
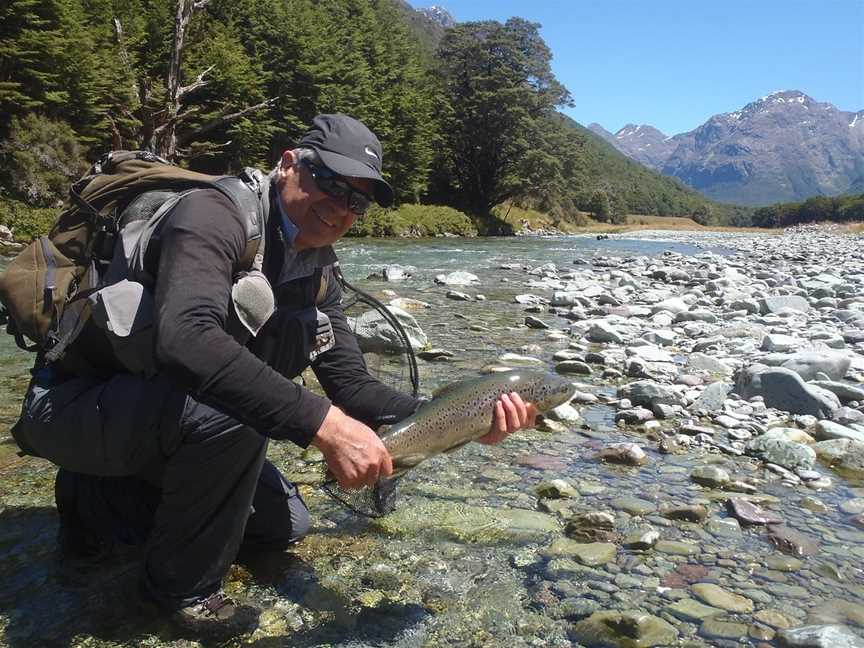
x,y
346,166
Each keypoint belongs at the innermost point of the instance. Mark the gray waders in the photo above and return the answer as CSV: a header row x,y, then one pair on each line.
x,y
142,462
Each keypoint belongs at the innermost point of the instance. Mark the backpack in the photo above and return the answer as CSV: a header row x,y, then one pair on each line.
x,y
44,289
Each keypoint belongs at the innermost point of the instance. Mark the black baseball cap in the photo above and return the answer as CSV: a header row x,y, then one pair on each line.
x,y
348,148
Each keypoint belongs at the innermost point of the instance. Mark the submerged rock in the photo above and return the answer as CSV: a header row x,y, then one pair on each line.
x,y
792,542
629,454
376,335
750,513
627,629
821,636
466,523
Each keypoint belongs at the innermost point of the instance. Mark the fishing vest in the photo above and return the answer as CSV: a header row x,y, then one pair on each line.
x,y
121,306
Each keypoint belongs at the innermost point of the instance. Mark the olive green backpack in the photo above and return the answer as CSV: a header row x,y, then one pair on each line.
x,y
43,290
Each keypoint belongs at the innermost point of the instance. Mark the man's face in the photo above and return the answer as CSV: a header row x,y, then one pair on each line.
x,y
321,219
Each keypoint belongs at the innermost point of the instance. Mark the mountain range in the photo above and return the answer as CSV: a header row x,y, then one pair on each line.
x,y
784,147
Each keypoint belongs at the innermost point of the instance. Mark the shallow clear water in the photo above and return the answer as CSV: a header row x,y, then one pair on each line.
x,y
463,560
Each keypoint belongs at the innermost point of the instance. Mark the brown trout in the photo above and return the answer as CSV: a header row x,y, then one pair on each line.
x,y
462,412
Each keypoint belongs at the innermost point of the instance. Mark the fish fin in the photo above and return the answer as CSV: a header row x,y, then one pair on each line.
x,y
456,447
403,462
445,389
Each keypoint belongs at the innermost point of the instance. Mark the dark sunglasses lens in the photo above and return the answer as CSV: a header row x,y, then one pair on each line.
x,y
358,203
337,187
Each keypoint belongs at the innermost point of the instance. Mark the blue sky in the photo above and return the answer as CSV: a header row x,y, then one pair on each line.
x,y
674,63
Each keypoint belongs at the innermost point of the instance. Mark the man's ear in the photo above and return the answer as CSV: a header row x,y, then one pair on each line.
x,y
288,160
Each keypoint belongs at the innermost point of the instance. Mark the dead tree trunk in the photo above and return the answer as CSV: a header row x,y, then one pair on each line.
x,y
166,133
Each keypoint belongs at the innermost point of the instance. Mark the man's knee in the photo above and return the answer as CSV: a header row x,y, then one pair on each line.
x,y
279,515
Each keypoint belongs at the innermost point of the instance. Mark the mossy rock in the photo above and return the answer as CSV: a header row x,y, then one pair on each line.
x,y
467,524
627,629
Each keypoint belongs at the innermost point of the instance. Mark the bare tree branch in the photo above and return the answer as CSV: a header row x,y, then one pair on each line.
x,y
199,82
223,119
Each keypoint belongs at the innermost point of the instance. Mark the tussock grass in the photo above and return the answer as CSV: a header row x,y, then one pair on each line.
x,y
852,228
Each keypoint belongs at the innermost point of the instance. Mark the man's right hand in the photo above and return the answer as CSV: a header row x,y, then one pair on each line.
x,y
354,453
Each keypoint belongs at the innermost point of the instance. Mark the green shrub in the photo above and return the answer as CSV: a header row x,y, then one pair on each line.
x,y
26,223
413,220
39,159
516,216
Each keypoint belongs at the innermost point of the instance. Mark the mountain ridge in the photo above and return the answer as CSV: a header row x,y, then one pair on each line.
x,y
782,147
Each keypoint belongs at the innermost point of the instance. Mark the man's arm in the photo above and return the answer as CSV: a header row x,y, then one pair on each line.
x,y
200,245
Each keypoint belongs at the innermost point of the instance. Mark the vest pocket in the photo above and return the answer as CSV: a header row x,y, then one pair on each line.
x,y
124,310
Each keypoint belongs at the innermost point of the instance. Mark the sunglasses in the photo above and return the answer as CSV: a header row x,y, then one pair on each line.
x,y
336,186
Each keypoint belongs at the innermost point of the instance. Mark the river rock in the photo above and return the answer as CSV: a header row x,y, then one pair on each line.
x,y
788,454
711,476
466,523
844,391
703,362
592,554
458,278
792,542
649,353
691,610
396,272
647,393
520,360
820,636
604,332
376,335
566,298
458,296
535,323
783,303
573,367
674,305
685,512
826,430
556,489
714,629
784,389
809,364
629,454
846,454
660,337
750,513
591,527
837,611
641,539
718,597
712,397
778,342
627,629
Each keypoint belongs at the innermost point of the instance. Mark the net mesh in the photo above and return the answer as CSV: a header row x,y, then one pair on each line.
x,y
372,501
390,358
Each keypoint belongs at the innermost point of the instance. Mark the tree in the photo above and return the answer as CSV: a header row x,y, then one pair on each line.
x,y
599,206
497,94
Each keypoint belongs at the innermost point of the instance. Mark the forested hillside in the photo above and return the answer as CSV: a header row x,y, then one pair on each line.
x,y
468,116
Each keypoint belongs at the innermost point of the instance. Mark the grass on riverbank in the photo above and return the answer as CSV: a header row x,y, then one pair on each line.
x,y
583,223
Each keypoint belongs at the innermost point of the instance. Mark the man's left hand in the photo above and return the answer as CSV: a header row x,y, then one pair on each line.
x,y
511,413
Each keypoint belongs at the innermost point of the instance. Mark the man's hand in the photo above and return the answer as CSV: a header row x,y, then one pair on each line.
x,y
354,453
511,413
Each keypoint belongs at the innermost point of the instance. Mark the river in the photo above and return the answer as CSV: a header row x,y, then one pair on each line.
x,y
473,556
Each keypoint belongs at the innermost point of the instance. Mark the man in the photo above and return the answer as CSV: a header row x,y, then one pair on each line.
x,y
176,460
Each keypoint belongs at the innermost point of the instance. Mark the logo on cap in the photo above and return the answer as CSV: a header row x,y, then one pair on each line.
x,y
369,151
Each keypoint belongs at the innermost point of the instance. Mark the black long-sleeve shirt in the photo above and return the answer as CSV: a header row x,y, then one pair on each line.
x,y
198,252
